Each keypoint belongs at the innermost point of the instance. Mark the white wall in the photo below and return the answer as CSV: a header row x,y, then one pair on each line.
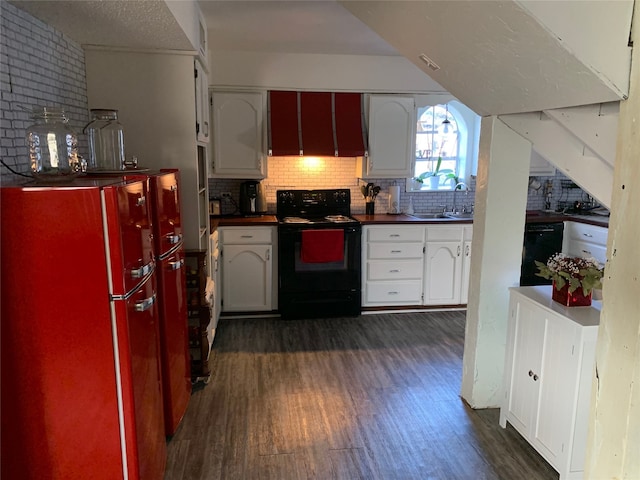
x,y
389,74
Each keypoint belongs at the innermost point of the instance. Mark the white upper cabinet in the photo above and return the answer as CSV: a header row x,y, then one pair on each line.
x,y
202,102
238,135
392,133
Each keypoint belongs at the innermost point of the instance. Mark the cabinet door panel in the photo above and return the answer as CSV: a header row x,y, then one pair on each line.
x,y
527,358
466,268
392,122
238,135
246,277
559,363
443,271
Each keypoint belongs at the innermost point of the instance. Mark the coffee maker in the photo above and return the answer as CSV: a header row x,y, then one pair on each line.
x,y
252,199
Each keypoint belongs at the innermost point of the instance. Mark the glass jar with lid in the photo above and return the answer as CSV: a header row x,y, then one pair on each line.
x,y
52,144
106,141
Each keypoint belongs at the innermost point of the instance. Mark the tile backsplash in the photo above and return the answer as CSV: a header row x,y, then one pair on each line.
x,y
337,172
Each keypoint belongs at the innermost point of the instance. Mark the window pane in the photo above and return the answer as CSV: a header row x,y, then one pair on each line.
x,y
436,137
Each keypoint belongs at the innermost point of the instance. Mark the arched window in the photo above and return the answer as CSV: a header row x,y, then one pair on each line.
x,y
442,146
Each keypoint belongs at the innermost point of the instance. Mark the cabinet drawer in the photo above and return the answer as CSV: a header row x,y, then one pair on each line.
x,y
436,232
241,235
586,249
588,233
395,234
389,293
394,250
388,270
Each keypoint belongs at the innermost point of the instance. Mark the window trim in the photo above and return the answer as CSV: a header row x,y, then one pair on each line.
x,y
468,139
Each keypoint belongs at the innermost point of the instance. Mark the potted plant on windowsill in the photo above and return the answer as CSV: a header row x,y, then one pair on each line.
x,y
433,176
574,278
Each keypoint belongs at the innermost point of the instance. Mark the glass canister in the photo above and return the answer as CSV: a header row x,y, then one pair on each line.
x,y
106,141
53,146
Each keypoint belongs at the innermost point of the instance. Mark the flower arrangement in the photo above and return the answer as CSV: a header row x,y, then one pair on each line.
x,y
577,272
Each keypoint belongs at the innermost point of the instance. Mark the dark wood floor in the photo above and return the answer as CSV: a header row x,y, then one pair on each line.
x,y
373,397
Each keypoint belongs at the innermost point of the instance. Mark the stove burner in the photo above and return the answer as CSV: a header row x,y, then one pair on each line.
x,y
338,218
296,220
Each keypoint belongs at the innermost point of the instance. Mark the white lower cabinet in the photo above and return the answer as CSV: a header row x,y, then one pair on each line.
x,y
444,262
392,259
550,356
248,268
415,265
466,265
584,240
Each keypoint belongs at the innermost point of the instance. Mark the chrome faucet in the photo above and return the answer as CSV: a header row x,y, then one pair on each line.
x,y
455,189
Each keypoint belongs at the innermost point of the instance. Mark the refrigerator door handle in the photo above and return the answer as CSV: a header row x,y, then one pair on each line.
x,y
173,239
143,271
145,304
176,265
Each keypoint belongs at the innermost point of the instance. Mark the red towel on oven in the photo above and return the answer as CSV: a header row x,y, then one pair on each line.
x,y
322,246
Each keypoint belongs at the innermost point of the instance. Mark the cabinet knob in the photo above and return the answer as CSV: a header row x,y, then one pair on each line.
x,y
531,373
535,378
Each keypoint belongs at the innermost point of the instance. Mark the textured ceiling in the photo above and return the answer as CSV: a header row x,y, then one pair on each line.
x,y
312,26
144,24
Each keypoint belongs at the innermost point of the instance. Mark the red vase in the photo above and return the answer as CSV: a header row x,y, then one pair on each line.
x,y
575,299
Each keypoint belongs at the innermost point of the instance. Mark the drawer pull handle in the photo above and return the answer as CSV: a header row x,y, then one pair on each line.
x,y
393,293
587,235
246,236
145,304
459,250
176,265
143,270
394,271
394,235
173,239
586,251
396,251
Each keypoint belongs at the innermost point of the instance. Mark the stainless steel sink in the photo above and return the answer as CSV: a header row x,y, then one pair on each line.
x,y
460,215
426,216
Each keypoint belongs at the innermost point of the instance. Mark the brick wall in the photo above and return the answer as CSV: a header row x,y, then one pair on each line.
x,y
39,66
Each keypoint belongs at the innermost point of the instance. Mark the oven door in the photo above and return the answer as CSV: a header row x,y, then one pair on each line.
x,y
313,289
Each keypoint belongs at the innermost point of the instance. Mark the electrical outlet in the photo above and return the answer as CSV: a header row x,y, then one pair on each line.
x,y
226,194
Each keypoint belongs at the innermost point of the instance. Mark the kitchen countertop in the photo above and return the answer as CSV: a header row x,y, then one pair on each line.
x,y
385,218
541,294
542,216
243,221
533,216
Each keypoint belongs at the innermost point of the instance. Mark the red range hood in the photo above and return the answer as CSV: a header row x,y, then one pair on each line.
x,y
316,123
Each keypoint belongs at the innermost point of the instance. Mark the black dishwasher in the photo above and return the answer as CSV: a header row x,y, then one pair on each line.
x,y
541,240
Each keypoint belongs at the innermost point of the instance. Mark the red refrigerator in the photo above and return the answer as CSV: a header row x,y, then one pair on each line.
x,y
172,305
81,388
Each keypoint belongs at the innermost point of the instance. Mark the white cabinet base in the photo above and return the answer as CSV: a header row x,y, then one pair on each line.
x,y
548,370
